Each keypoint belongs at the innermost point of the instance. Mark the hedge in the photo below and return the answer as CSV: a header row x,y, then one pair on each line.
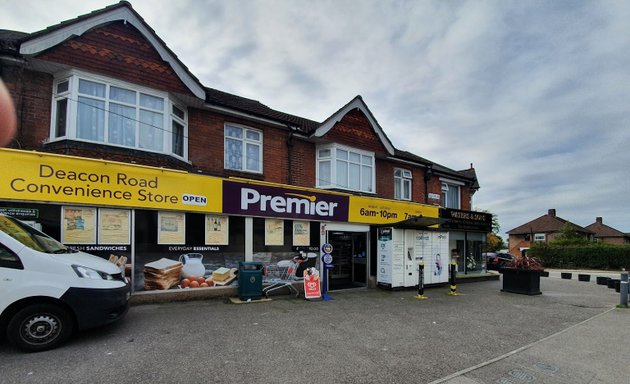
x,y
595,256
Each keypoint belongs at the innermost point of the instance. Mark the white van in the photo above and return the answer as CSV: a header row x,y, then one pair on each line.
x,y
48,291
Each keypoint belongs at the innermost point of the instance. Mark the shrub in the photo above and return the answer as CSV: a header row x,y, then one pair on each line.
x,y
594,256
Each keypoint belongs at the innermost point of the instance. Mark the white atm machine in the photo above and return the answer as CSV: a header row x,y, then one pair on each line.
x,y
399,252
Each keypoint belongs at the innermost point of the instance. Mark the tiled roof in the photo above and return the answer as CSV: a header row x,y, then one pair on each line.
x,y
228,100
602,230
473,175
10,41
545,224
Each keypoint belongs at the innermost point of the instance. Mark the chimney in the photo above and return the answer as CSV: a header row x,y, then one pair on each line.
x,y
598,220
552,212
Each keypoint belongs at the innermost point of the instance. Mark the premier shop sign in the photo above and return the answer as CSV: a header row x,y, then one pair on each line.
x,y
270,201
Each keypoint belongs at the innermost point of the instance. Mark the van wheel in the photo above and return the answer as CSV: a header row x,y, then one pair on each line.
x,y
39,327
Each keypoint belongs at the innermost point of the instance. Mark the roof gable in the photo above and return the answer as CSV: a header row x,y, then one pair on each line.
x,y
602,230
55,35
548,223
356,103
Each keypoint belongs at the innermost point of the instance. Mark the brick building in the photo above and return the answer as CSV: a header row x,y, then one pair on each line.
x,y
154,160
544,229
607,234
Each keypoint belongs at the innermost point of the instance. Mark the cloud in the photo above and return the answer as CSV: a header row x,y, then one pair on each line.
x,y
533,93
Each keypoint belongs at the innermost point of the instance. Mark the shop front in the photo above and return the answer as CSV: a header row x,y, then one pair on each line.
x,y
163,226
467,237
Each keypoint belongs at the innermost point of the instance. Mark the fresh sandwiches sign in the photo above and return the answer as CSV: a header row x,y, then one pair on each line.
x,y
270,201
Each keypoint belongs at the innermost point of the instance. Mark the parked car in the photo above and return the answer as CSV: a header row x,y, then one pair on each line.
x,y
49,291
495,261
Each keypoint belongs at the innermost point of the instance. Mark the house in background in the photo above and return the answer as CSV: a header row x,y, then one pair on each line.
x,y
544,229
607,234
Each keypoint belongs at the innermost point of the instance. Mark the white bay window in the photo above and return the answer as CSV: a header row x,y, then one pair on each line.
x,y
343,167
95,110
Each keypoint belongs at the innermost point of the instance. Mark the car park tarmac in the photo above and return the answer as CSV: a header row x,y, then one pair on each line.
x,y
572,333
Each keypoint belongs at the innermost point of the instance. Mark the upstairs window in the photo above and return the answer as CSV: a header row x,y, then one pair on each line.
x,y
450,196
243,149
98,111
539,237
345,168
402,184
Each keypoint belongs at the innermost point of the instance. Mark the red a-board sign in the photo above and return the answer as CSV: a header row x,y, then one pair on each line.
x,y
311,284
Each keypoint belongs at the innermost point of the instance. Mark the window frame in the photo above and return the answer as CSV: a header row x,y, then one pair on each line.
x,y
334,159
13,263
540,237
71,97
244,141
401,177
445,188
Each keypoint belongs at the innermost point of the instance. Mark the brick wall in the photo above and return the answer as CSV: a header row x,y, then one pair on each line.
x,y
32,96
117,50
465,197
303,164
206,146
355,130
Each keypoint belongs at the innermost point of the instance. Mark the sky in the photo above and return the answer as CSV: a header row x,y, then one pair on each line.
x,y
533,93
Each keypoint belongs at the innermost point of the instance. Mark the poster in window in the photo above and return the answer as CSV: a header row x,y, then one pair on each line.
x,y
217,230
113,226
301,233
274,232
78,225
171,228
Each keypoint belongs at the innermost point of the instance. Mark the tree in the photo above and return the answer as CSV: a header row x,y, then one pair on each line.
x,y
569,235
494,242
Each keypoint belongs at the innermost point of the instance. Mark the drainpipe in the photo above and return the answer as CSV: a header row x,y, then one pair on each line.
x,y
427,176
290,155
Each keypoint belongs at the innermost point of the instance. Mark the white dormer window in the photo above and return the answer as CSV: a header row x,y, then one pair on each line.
x,y
341,167
99,110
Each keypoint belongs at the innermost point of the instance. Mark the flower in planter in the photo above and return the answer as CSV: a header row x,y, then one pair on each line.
x,y
525,262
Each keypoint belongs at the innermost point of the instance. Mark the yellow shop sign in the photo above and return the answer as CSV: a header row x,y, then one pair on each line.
x,y
371,210
37,176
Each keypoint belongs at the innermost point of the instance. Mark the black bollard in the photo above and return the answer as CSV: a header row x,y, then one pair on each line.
x,y
420,295
453,291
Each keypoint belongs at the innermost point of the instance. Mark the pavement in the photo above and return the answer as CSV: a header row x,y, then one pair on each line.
x,y
596,350
572,333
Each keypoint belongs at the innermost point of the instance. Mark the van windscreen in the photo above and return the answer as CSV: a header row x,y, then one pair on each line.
x,y
30,237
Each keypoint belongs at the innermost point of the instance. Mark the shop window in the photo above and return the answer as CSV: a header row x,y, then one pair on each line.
x,y
342,167
450,196
243,149
402,184
97,110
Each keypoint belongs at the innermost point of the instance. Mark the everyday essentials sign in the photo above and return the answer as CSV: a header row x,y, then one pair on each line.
x,y
46,177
